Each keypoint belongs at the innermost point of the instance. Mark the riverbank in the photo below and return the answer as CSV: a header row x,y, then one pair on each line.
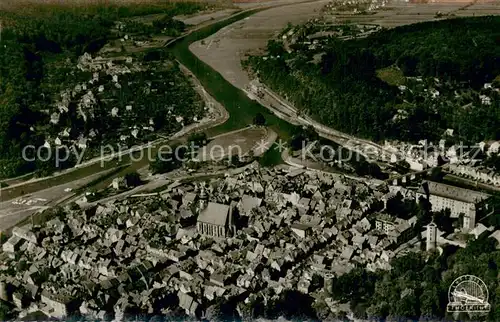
x,y
241,109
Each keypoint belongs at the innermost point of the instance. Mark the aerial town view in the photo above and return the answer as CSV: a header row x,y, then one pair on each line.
x,y
214,160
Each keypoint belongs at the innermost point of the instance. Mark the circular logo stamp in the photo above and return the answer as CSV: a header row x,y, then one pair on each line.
x,y
469,294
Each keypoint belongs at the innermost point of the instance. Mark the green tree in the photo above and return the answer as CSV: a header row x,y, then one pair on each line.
x,y
154,55
132,179
358,309
353,285
251,310
275,48
170,160
317,282
407,308
169,26
436,174
429,302
411,262
214,312
301,136
197,139
443,220
259,119
403,166
496,82
5,311
293,304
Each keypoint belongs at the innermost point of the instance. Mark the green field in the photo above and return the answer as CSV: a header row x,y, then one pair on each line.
x,y
391,75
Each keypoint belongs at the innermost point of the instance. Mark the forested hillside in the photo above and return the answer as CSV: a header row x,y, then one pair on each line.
x,y
417,287
444,66
39,51
466,49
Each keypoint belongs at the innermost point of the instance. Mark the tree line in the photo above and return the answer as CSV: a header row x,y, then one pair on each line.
x,y
343,91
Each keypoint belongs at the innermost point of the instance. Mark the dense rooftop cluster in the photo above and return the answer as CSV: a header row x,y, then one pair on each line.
x,y
134,254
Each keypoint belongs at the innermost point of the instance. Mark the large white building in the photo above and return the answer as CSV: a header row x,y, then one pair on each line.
x,y
431,240
457,200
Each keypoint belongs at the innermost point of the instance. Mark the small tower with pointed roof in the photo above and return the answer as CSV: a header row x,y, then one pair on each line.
x,y
431,239
203,200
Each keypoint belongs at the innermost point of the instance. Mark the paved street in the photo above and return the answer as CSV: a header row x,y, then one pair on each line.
x,y
16,210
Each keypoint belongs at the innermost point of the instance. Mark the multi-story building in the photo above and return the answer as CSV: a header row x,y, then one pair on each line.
x,y
475,173
385,223
400,230
457,200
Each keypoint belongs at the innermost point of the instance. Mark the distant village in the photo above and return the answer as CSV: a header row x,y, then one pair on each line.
x,y
355,6
229,239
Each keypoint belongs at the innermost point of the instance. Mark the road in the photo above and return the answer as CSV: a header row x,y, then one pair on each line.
x,y
276,104
45,196
219,113
160,181
221,57
16,184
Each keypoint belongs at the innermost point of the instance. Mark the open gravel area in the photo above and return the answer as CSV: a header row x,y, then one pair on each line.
x,y
198,19
402,13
